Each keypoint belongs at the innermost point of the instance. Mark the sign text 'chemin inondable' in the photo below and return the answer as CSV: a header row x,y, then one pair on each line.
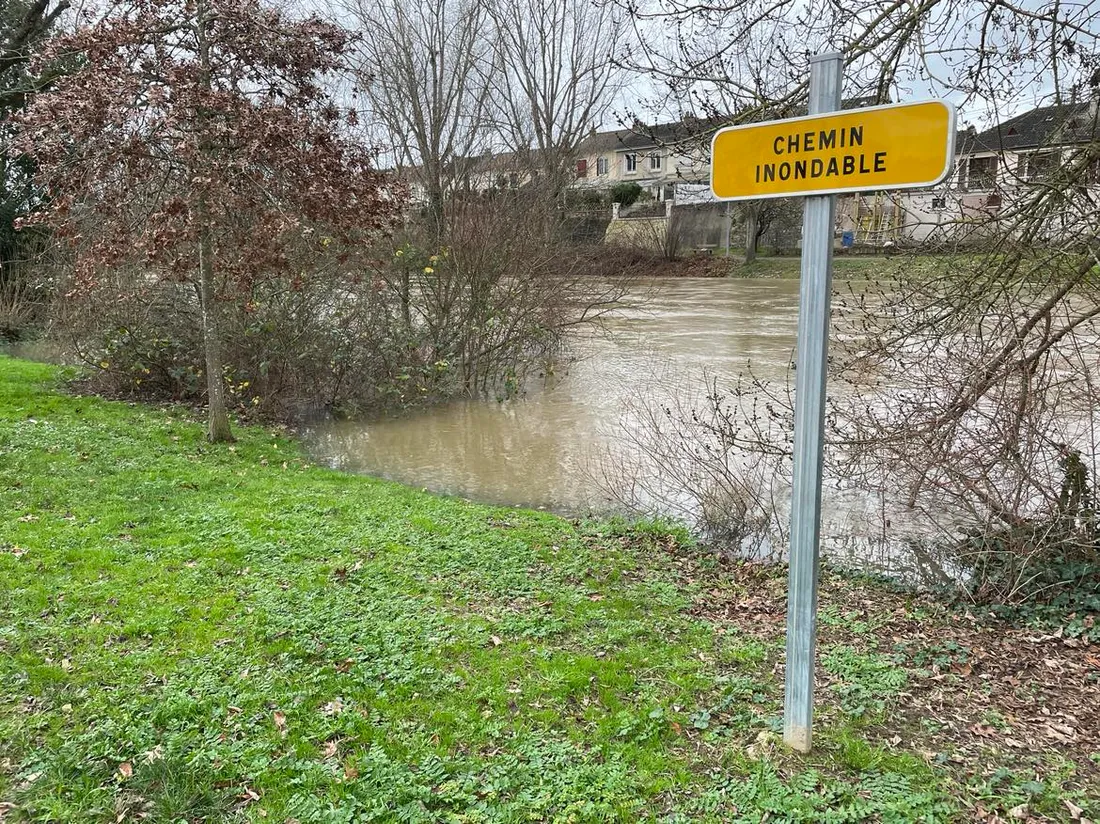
x,y
883,147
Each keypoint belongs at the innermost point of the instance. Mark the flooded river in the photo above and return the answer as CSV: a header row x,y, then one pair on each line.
x,y
549,448
537,450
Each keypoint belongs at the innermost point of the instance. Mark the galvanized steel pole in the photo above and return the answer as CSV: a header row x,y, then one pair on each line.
x,y
809,429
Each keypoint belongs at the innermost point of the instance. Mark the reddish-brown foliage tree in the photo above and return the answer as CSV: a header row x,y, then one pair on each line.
x,y
195,144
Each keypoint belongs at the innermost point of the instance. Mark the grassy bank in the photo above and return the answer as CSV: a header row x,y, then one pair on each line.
x,y
230,634
845,267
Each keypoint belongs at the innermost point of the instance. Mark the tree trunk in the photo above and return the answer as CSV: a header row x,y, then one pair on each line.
x,y
406,304
217,430
750,234
727,228
437,201
217,417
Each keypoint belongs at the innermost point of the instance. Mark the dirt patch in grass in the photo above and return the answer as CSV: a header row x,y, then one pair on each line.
x,y
1012,712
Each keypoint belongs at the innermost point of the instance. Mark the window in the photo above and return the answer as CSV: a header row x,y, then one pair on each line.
x,y
631,162
601,166
582,168
981,174
655,162
939,202
1039,165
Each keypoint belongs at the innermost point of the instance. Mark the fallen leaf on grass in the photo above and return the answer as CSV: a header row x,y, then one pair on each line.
x,y
126,769
280,722
1018,812
1074,810
1063,732
496,640
764,744
330,748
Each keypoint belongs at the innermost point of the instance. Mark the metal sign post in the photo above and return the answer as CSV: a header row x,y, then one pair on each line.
x,y
809,429
897,146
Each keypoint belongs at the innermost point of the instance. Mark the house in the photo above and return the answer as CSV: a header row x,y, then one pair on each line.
x,y
474,174
995,172
655,157
670,161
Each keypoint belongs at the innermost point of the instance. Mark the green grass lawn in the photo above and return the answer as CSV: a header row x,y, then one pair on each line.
x,y
196,633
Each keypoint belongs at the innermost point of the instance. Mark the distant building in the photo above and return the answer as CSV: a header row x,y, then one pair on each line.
x,y
670,161
655,157
995,172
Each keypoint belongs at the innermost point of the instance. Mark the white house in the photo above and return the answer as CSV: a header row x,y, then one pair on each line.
x,y
654,157
995,172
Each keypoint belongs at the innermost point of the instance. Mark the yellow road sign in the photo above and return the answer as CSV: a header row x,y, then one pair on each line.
x,y
900,146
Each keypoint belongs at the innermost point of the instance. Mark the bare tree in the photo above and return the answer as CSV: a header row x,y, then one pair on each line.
x,y
965,390
424,66
757,216
739,58
556,78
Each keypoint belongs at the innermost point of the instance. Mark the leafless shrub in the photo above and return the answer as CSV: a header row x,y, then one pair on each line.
x,y
705,457
662,234
963,400
25,293
974,398
501,293
672,240
414,322
18,310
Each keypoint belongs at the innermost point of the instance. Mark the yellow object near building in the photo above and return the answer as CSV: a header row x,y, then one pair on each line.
x,y
884,147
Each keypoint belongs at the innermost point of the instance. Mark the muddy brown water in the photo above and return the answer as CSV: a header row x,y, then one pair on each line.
x,y
552,447
536,450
